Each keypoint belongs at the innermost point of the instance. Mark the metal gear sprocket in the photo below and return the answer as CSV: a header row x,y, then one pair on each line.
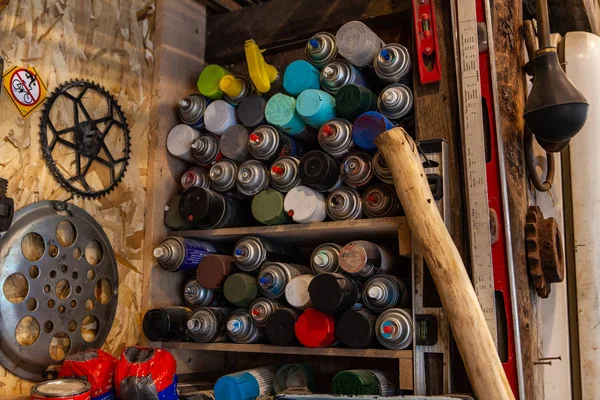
x,y
85,138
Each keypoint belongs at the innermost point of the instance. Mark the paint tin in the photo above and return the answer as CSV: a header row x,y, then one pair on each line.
x,y
356,328
367,127
195,177
382,292
234,143
381,169
246,385
262,308
214,269
275,276
252,252
294,376
358,382
395,328
316,107
222,175
205,149
208,209
191,110
267,144
285,174
209,80
325,258
380,201
333,293
296,292
195,295
240,289
320,171
181,254
267,208
395,102
305,205
315,329
364,259
344,203
280,327
335,137
392,64
340,73
299,76
241,329
62,389
252,177
235,88
357,169
280,112
179,142
251,111
219,116
321,49
94,366
167,324
208,324
353,100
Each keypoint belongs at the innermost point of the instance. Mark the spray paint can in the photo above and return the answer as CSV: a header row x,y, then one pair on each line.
x,y
219,116
191,110
234,143
179,142
167,324
321,49
296,292
367,127
299,76
333,293
353,100
382,292
381,169
393,63
395,102
208,209
195,295
316,107
280,112
356,328
395,328
222,175
285,174
305,205
252,177
357,170
63,389
267,144
358,382
357,43
315,329
182,254
340,73
214,269
209,79
335,137
173,219
241,329
380,201
208,324
291,376
320,171
267,208
344,203
364,259
240,289
262,308
252,252
235,88
205,149
280,327
195,177
246,385
251,111
274,277
325,258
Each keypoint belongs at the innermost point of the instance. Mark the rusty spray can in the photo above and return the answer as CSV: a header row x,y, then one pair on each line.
x,y
357,169
344,203
274,277
195,177
205,149
380,201
364,259
251,252
325,258
285,174
321,49
395,328
241,329
252,177
335,137
208,324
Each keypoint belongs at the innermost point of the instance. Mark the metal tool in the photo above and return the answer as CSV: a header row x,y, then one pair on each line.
x,y
285,174
344,203
428,56
274,277
321,49
252,177
394,328
191,110
357,170
241,329
380,201
262,308
325,258
252,252
393,63
195,177
7,206
335,137
208,324
205,149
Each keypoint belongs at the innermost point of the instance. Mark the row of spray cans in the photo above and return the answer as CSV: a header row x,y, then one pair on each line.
x,y
287,303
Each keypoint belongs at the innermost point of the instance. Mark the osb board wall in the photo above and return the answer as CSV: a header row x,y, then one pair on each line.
x,y
108,41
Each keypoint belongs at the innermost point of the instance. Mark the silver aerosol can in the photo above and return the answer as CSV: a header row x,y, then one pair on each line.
x,y
251,252
357,169
395,102
191,110
234,143
335,137
274,277
267,144
285,174
364,259
344,203
380,201
382,292
209,324
196,296
222,175
195,177
321,49
241,329
179,142
180,254
394,328
381,169
205,149
392,64
325,258
339,73
262,308
252,178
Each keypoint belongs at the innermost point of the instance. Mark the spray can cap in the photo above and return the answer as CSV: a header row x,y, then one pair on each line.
x,y
314,43
231,86
321,259
386,55
234,325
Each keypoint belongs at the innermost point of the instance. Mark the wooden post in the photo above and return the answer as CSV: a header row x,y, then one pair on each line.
x,y
445,264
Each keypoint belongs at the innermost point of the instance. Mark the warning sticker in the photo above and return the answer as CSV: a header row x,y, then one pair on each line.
x,y
25,89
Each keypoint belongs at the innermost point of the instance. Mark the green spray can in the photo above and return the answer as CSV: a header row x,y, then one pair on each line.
x,y
362,382
267,208
353,100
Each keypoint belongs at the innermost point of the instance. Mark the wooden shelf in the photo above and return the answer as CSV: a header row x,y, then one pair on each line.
x,y
270,349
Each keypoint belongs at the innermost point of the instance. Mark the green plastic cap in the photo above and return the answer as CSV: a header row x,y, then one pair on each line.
x,y
355,382
240,289
209,80
267,208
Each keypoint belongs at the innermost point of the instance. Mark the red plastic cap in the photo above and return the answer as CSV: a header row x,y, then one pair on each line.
x,y
327,130
255,312
371,198
276,170
291,213
254,137
315,329
190,217
388,329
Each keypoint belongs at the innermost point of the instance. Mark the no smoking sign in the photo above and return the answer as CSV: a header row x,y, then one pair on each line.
x,y
25,89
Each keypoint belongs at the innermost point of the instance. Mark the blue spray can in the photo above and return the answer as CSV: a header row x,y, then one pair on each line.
x,y
299,76
367,127
182,254
316,107
281,113
246,385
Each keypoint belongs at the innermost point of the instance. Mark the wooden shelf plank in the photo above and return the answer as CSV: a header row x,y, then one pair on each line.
x,y
267,348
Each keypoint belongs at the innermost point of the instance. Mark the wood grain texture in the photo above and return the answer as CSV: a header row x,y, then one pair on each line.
x,y
105,42
445,264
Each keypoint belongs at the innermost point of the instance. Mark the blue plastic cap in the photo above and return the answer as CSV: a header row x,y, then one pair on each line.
x,y
314,43
265,280
386,54
239,252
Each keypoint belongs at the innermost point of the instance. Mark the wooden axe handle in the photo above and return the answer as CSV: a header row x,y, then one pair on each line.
x,y
447,269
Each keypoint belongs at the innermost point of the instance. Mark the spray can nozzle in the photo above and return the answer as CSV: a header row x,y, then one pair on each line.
x,y
314,43
328,130
386,55
255,138
277,170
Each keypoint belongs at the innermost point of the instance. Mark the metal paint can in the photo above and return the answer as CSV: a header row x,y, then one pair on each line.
x,y
241,329
208,324
296,292
382,292
335,137
262,308
274,277
222,175
395,102
305,205
395,328
252,252
240,289
205,149
179,142
234,143
381,169
191,110
393,63
357,170
195,295
195,177
62,389
364,259
333,293
320,171
380,201
344,203
356,328
252,177
285,174
208,209
280,327
267,144
181,254
325,258
340,73
321,49
167,324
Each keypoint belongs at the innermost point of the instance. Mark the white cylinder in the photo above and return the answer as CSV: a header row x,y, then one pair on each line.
x,y
179,142
296,292
305,205
219,116
357,43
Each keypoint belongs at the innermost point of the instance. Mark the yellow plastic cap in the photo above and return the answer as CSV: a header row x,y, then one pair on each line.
x,y
231,86
261,73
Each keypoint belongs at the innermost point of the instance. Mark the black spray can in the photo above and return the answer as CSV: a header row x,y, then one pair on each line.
x,y
208,209
356,328
209,324
252,252
320,171
280,327
168,324
333,293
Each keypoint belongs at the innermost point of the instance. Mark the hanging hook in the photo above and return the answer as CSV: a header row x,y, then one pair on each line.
x,y
530,164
